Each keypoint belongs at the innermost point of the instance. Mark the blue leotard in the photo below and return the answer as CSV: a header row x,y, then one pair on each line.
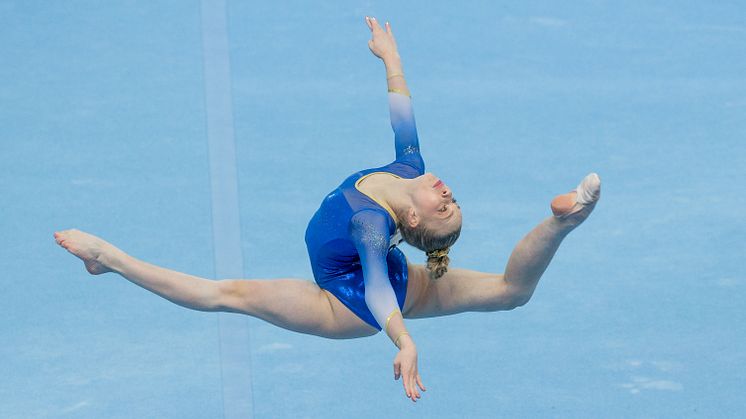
x,y
352,239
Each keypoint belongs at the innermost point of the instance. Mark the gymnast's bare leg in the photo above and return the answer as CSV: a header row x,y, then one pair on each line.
x,y
461,290
301,306
293,304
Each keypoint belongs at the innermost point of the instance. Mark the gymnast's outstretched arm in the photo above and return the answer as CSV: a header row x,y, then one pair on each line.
x,y
380,297
369,233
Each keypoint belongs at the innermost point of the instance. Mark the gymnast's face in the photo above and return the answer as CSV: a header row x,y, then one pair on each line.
x,y
434,204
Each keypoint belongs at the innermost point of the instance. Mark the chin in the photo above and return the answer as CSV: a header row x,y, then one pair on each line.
x,y
427,178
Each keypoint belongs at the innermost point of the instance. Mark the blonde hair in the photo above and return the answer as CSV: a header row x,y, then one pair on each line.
x,y
435,245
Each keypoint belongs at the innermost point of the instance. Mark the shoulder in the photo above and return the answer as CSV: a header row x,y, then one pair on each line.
x,y
370,227
415,161
408,168
369,218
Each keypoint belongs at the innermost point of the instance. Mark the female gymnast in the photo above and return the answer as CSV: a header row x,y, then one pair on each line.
x,y
364,284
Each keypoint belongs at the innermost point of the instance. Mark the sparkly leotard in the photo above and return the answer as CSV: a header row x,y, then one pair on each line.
x,y
352,239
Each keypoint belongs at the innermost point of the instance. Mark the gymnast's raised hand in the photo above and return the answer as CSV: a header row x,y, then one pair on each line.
x,y
382,43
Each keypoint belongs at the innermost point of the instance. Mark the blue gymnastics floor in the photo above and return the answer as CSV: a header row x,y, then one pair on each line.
x,y
640,315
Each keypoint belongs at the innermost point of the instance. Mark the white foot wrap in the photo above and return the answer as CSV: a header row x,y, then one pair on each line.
x,y
589,190
586,196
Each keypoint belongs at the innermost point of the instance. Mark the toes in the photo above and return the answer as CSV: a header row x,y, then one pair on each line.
x,y
64,243
61,236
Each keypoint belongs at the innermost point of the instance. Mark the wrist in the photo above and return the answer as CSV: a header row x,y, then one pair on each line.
x,y
406,342
392,62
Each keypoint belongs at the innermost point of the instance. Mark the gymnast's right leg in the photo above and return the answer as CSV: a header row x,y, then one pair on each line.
x,y
293,304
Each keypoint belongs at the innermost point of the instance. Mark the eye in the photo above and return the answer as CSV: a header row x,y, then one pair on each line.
x,y
443,209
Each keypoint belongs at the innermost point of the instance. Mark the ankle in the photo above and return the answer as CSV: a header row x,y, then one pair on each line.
x,y
114,259
560,226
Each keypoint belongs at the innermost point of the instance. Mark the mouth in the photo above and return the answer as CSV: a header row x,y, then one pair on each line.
x,y
437,184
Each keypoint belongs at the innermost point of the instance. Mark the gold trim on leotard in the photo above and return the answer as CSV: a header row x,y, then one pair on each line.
x,y
386,329
381,203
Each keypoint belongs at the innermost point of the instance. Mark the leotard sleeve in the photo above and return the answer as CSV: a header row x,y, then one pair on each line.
x,y
402,122
369,232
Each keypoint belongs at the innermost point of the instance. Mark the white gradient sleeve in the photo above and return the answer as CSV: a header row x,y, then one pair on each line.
x,y
369,232
402,122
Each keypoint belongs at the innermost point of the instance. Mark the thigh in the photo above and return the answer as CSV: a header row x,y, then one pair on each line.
x,y
293,304
457,291
346,324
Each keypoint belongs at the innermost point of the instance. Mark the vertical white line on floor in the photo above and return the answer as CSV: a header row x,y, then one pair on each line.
x,y
235,355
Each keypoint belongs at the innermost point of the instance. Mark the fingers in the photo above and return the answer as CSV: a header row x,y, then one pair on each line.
x,y
410,380
419,383
410,388
373,24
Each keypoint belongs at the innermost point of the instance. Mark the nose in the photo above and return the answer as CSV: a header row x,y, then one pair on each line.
x,y
446,192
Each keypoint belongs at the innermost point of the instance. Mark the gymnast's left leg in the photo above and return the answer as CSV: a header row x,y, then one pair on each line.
x,y
461,290
293,304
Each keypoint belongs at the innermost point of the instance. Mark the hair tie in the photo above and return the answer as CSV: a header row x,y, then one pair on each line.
x,y
438,253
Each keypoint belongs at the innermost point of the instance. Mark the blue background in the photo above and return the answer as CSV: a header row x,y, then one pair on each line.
x,y
640,315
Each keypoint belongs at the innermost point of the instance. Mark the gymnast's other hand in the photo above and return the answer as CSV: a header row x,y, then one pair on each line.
x,y
405,366
382,43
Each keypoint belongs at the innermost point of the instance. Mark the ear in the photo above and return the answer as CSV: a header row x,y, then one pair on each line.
x,y
413,219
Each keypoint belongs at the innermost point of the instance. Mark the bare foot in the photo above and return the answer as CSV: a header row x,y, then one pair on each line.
x,y
89,248
577,205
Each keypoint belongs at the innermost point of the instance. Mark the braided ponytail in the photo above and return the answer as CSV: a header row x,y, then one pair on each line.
x,y
437,262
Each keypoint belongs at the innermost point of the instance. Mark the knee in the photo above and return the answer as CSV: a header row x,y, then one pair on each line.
x,y
521,300
504,296
232,295
516,299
